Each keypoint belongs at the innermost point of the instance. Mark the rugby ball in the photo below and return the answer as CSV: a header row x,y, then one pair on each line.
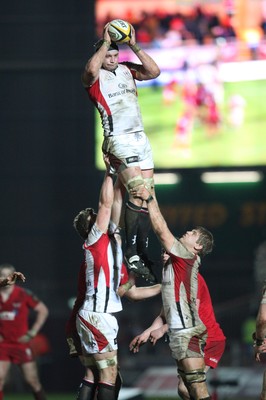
x,y
119,31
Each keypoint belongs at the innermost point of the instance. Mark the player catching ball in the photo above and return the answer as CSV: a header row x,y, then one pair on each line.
x,y
112,88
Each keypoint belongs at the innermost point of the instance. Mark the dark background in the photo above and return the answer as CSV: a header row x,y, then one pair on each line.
x,y
47,175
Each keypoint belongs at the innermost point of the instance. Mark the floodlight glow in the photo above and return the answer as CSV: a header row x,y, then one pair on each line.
x,y
232,177
166,178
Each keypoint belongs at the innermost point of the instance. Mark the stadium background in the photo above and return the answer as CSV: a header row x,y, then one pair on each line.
x,y
47,175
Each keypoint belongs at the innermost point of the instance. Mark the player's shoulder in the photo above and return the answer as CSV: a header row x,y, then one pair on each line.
x,y
127,65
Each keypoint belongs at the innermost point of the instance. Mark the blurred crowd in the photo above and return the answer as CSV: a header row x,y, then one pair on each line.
x,y
198,26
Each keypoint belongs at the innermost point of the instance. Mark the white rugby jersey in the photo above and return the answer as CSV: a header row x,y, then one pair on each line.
x,y
180,287
103,273
115,96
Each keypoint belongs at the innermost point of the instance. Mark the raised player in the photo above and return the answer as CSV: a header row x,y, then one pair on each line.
x,y
15,334
111,87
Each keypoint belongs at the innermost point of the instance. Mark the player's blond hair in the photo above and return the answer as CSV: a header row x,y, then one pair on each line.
x,y
205,240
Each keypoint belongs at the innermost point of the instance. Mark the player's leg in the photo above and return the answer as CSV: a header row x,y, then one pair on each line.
x,y
128,155
4,368
132,177
186,348
89,383
192,371
118,383
98,334
144,227
119,194
107,367
31,376
182,389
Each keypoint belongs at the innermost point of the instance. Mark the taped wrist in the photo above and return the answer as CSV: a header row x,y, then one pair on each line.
x,y
106,43
135,47
31,333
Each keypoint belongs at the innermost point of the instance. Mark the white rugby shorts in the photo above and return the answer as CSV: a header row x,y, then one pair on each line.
x,y
97,332
132,149
187,342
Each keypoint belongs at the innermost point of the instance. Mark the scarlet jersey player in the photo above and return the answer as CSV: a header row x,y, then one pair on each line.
x,y
179,293
15,334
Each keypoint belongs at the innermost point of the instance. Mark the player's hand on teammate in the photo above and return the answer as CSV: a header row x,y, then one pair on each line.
x,y
138,341
140,192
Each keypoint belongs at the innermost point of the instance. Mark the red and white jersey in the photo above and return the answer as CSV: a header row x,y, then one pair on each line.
x,y
104,273
180,287
14,313
115,96
206,312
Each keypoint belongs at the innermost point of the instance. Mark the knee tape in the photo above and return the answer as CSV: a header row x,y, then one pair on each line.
x,y
149,183
134,182
195,376
108,362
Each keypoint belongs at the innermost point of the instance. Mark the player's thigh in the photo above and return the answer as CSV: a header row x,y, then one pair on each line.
x,y
130,173
107,366
189,364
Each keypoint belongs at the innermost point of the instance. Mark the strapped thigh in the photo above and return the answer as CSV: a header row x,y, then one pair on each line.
x,y
107,362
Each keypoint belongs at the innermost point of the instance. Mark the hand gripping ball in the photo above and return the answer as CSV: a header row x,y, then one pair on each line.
x,y
119,31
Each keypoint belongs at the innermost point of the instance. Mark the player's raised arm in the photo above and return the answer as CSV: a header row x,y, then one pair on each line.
x,y
106,199
157,220
93,65
148,69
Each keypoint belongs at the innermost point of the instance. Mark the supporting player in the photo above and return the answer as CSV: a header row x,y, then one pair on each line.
x,y
98,300
187,334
